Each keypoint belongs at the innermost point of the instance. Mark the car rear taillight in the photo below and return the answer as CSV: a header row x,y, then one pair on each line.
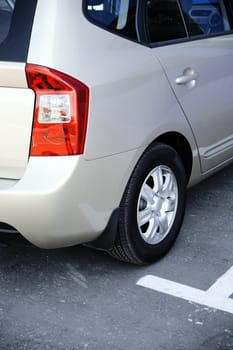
x,y
61,112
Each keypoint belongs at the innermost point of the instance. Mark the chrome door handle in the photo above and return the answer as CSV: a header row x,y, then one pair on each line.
x,y
189,76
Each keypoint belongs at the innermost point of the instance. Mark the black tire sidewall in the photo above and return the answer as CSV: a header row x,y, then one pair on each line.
x,y
157,155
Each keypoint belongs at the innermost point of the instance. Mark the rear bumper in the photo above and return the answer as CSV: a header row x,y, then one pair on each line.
x,y
62,201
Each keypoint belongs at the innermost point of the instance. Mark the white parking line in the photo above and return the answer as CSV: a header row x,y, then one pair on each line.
x,y
224,285
217,296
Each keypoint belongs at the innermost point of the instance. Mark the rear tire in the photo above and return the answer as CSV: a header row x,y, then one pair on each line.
x,y
152,208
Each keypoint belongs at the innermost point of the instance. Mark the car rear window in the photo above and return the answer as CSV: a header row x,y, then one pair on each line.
x,y
16,18
115,15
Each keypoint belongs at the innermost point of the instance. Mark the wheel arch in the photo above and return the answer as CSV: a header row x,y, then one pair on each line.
x,y
182,147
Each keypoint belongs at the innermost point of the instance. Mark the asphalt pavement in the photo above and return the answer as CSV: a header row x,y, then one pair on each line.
x,y
78,298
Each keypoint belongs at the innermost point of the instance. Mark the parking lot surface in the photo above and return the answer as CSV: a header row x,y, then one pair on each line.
x,y
78,298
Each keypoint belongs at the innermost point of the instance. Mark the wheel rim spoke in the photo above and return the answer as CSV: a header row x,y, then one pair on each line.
x,y
158,179
170,205
168,183
148,193
153,228
163,224
144,216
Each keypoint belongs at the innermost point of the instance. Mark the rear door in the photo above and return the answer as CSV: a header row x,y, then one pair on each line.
x,y
199,69
16,100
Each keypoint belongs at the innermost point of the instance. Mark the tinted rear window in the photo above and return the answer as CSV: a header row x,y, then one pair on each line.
x,y
16,18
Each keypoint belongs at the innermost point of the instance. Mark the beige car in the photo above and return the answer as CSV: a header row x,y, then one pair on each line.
x,y
109,110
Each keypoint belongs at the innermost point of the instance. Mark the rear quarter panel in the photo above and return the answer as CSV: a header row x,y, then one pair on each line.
x,y
131,102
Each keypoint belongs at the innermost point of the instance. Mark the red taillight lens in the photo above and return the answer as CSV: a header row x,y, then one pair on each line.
x,y
61,112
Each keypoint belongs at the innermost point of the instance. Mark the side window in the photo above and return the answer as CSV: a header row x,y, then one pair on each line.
x,y
6,10
118,16
205,16
164,21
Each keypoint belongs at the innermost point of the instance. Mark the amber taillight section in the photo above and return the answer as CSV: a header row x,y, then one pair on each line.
x,y
61,112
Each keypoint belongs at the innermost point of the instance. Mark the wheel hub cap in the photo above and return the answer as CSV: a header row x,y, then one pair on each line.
x,y
157,204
